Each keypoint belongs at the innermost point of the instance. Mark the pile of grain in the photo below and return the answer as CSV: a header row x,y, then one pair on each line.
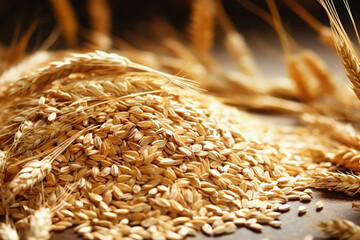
x,y
119,150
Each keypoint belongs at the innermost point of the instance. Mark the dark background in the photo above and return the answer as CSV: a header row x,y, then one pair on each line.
x,y
17,15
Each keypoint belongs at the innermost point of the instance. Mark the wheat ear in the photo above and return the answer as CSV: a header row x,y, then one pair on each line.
x,y
98,61
347,157
341,229
344,46
320,71
296,68
340,182
36,170
202,25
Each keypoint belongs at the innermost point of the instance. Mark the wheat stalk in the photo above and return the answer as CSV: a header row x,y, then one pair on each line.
x,y
100,19
324,32
340,182
66,18
341,229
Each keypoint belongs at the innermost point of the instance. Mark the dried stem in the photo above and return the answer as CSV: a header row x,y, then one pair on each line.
x,y
15,54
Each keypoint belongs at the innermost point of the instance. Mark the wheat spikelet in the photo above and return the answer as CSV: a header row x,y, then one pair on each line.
x,y
32,173
341,229
36,135
202,25
344,46
8,232
66,18
83,63
340,182
343,133
40,225
347,157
